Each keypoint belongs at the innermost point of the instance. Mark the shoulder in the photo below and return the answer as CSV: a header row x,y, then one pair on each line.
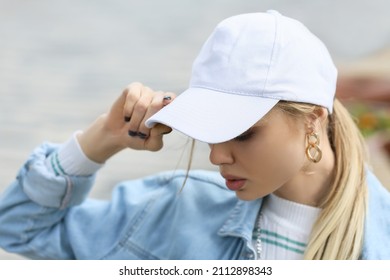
x,y
206,185
379,196
377,225
199,177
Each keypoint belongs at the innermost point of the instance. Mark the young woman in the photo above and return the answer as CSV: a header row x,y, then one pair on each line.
x,y
293,181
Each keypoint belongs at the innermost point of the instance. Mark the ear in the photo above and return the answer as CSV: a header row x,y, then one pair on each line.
x,y
317,119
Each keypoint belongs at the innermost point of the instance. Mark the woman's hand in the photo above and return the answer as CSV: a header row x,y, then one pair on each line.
x,y
124,125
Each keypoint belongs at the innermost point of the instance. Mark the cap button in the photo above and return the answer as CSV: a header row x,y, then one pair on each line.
x,y
274,12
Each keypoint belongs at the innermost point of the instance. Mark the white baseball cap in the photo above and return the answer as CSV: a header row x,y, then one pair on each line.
x,y
248,64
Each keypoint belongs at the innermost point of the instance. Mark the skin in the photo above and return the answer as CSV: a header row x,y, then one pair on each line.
x,y
268,158
271,159
109,134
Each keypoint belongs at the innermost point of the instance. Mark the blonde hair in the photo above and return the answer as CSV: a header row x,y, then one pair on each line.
x,y
338,232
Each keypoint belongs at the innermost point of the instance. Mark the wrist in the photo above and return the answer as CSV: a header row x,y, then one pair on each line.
x,y
69,159
97,143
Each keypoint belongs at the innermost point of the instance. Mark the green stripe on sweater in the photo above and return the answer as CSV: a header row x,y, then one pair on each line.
x,y
274,234
265,240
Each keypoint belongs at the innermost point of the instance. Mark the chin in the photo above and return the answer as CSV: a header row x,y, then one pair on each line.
x,y
247,196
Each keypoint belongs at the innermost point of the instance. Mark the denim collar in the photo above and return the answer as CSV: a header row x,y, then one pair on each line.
x,y
242,219
376,242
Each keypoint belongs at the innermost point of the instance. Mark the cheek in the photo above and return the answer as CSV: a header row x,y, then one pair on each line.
x,y
290,158
278,160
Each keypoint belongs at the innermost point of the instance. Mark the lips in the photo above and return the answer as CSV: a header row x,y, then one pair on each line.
x,y
234,183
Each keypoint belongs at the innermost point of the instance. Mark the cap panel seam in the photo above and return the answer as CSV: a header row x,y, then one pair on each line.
x,y
259,95
272,54
262,95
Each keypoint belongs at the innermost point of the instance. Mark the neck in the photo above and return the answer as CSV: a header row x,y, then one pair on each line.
x,y
312,182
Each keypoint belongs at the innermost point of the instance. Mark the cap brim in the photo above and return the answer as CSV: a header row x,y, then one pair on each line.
x,y
211,116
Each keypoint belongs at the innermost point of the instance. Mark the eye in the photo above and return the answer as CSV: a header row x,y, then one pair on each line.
x,y
245,136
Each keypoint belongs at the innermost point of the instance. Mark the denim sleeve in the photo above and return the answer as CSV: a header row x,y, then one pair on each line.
x,y
44,216
33,209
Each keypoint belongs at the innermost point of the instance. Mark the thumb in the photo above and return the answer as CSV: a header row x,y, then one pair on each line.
x,y
160,129
154,141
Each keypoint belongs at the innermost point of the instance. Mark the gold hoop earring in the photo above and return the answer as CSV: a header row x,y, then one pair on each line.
x,y
313,151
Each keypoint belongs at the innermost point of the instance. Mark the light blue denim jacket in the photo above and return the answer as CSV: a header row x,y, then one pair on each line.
x,y
43,216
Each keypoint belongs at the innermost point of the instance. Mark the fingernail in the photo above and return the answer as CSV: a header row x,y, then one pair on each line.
x,y
166,100
133,133
127,119
142,135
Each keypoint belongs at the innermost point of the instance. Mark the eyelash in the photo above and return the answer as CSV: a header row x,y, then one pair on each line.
x,y
244,137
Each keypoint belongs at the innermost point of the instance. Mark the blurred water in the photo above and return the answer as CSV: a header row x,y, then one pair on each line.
x,y
62,63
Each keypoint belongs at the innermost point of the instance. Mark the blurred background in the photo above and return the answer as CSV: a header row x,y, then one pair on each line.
x,y
62,63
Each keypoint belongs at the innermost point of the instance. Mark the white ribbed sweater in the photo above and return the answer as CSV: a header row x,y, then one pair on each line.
x,y
285,228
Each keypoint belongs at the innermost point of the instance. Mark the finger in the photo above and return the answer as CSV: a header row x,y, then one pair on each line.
x,y
155,105
160,100
132,93
139,111
116,110
168,98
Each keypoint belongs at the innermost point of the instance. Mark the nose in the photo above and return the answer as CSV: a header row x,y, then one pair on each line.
x,y
220,154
